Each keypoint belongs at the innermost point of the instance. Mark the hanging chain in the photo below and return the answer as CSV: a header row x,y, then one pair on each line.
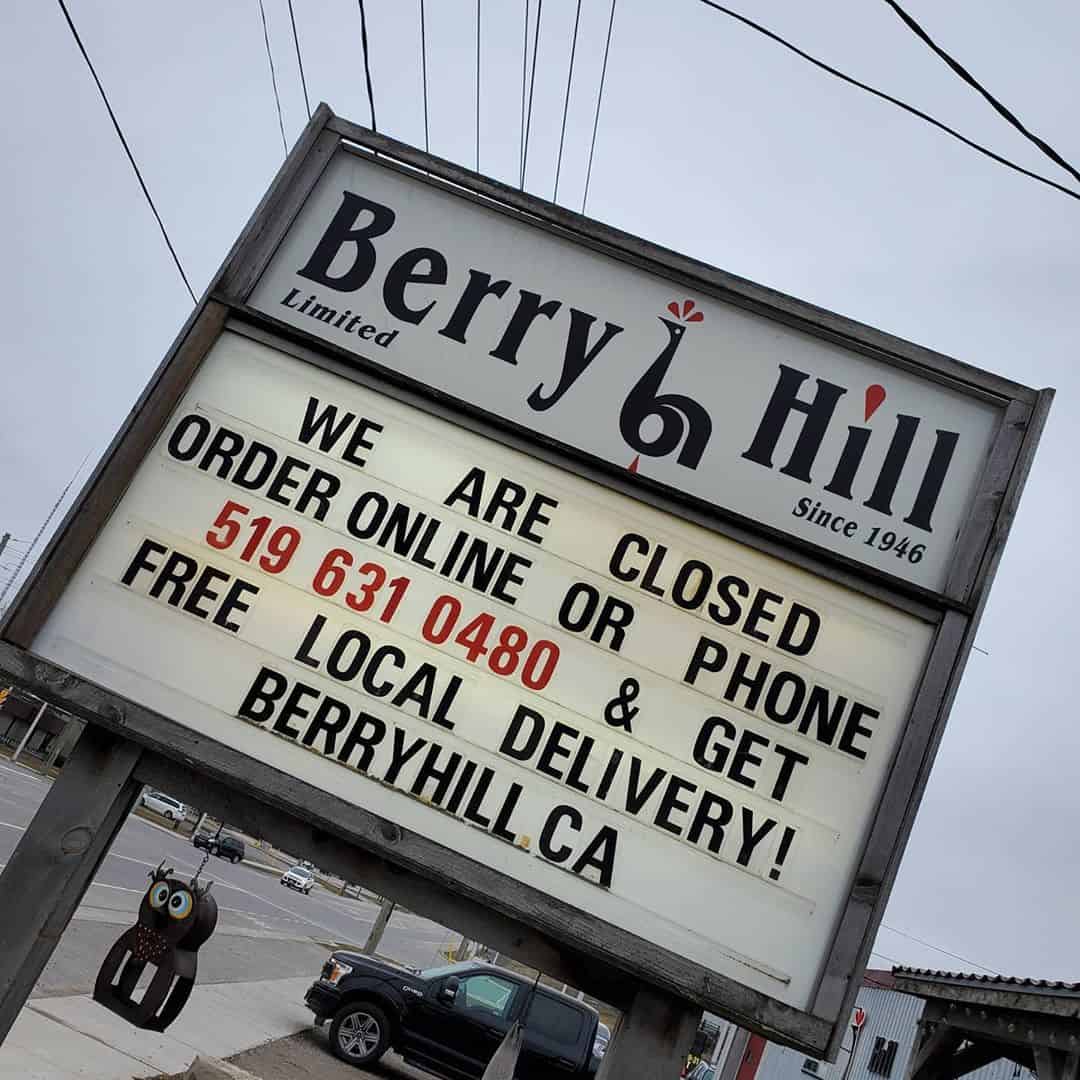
x,y
206,859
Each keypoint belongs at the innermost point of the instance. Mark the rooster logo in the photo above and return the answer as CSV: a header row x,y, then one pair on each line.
x,y
681,418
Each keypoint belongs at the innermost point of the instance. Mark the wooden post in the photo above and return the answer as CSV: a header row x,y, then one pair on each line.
x,y
377,931
652,1039
57,857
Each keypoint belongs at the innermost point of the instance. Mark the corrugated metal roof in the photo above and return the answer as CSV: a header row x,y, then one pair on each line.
x,y
991,980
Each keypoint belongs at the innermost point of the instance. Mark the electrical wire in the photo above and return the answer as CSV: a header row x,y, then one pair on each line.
x,y
891,959
566,103
524,79
970,79
532,89
938,948
299,59
44,525
367,63
273,79
477,85
599,99
127,150
423,68
892,100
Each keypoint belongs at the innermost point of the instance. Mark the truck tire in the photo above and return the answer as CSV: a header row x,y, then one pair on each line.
x,y
360,1033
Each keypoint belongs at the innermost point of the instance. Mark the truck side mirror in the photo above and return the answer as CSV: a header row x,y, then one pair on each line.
x,y
447,993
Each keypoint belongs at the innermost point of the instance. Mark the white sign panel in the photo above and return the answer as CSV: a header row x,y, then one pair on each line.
x,y
666,729
750,415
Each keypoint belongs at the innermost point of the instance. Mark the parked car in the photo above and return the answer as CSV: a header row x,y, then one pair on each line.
x,y
164,804
220,844
450,1020
299,877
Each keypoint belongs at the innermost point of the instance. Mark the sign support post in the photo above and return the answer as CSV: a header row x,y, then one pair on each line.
x,y
57,857
653,1038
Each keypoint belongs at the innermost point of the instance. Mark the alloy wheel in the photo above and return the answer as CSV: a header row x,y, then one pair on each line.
x,y
359,1034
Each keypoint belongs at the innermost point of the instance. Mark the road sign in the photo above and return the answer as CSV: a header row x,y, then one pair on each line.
x,y
858,1018
623,589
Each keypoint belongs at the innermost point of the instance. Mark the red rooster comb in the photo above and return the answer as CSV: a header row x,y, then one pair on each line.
x,y
684,314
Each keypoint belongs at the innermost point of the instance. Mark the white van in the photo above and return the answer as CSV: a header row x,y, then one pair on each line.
x,y
165,805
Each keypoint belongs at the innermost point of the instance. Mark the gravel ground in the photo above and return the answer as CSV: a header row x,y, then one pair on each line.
x,y
308,1055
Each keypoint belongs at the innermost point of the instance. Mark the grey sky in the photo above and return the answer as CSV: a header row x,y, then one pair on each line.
x,y
712,141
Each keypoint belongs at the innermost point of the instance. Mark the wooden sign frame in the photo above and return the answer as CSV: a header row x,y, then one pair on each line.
x,y
406,866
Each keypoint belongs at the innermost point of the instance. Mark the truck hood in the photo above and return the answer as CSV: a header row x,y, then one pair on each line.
x,y
369,965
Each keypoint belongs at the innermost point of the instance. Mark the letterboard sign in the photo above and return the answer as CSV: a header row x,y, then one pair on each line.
x,y
617,594
674,733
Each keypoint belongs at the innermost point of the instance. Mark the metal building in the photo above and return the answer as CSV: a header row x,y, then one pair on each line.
x,y
884,1047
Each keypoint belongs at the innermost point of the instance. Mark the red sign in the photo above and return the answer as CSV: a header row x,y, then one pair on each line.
x,y
858,1019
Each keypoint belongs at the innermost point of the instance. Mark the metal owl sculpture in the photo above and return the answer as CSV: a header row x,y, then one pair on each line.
x,y
175,918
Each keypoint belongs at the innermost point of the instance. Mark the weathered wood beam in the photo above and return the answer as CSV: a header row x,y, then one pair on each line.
x,y
57,858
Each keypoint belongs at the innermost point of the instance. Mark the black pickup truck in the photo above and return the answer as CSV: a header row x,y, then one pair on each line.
x,y
450,1020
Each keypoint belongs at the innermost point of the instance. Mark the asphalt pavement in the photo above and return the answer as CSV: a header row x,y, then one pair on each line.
x,y
265,931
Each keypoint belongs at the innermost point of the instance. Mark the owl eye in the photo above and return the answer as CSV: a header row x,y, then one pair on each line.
x,y
159,895
180,904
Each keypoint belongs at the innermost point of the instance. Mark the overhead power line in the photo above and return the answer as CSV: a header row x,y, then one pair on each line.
x,y
599,99
566,102
367,63
524,80
44,525
299,58
892,960
892,100
127,150
273,79
938,948
532,89
970,79
423,69
477,85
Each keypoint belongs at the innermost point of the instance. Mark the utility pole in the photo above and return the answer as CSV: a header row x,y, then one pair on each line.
x,y
29,731
375,937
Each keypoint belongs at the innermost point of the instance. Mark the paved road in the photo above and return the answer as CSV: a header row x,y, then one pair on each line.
x,y
264,930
